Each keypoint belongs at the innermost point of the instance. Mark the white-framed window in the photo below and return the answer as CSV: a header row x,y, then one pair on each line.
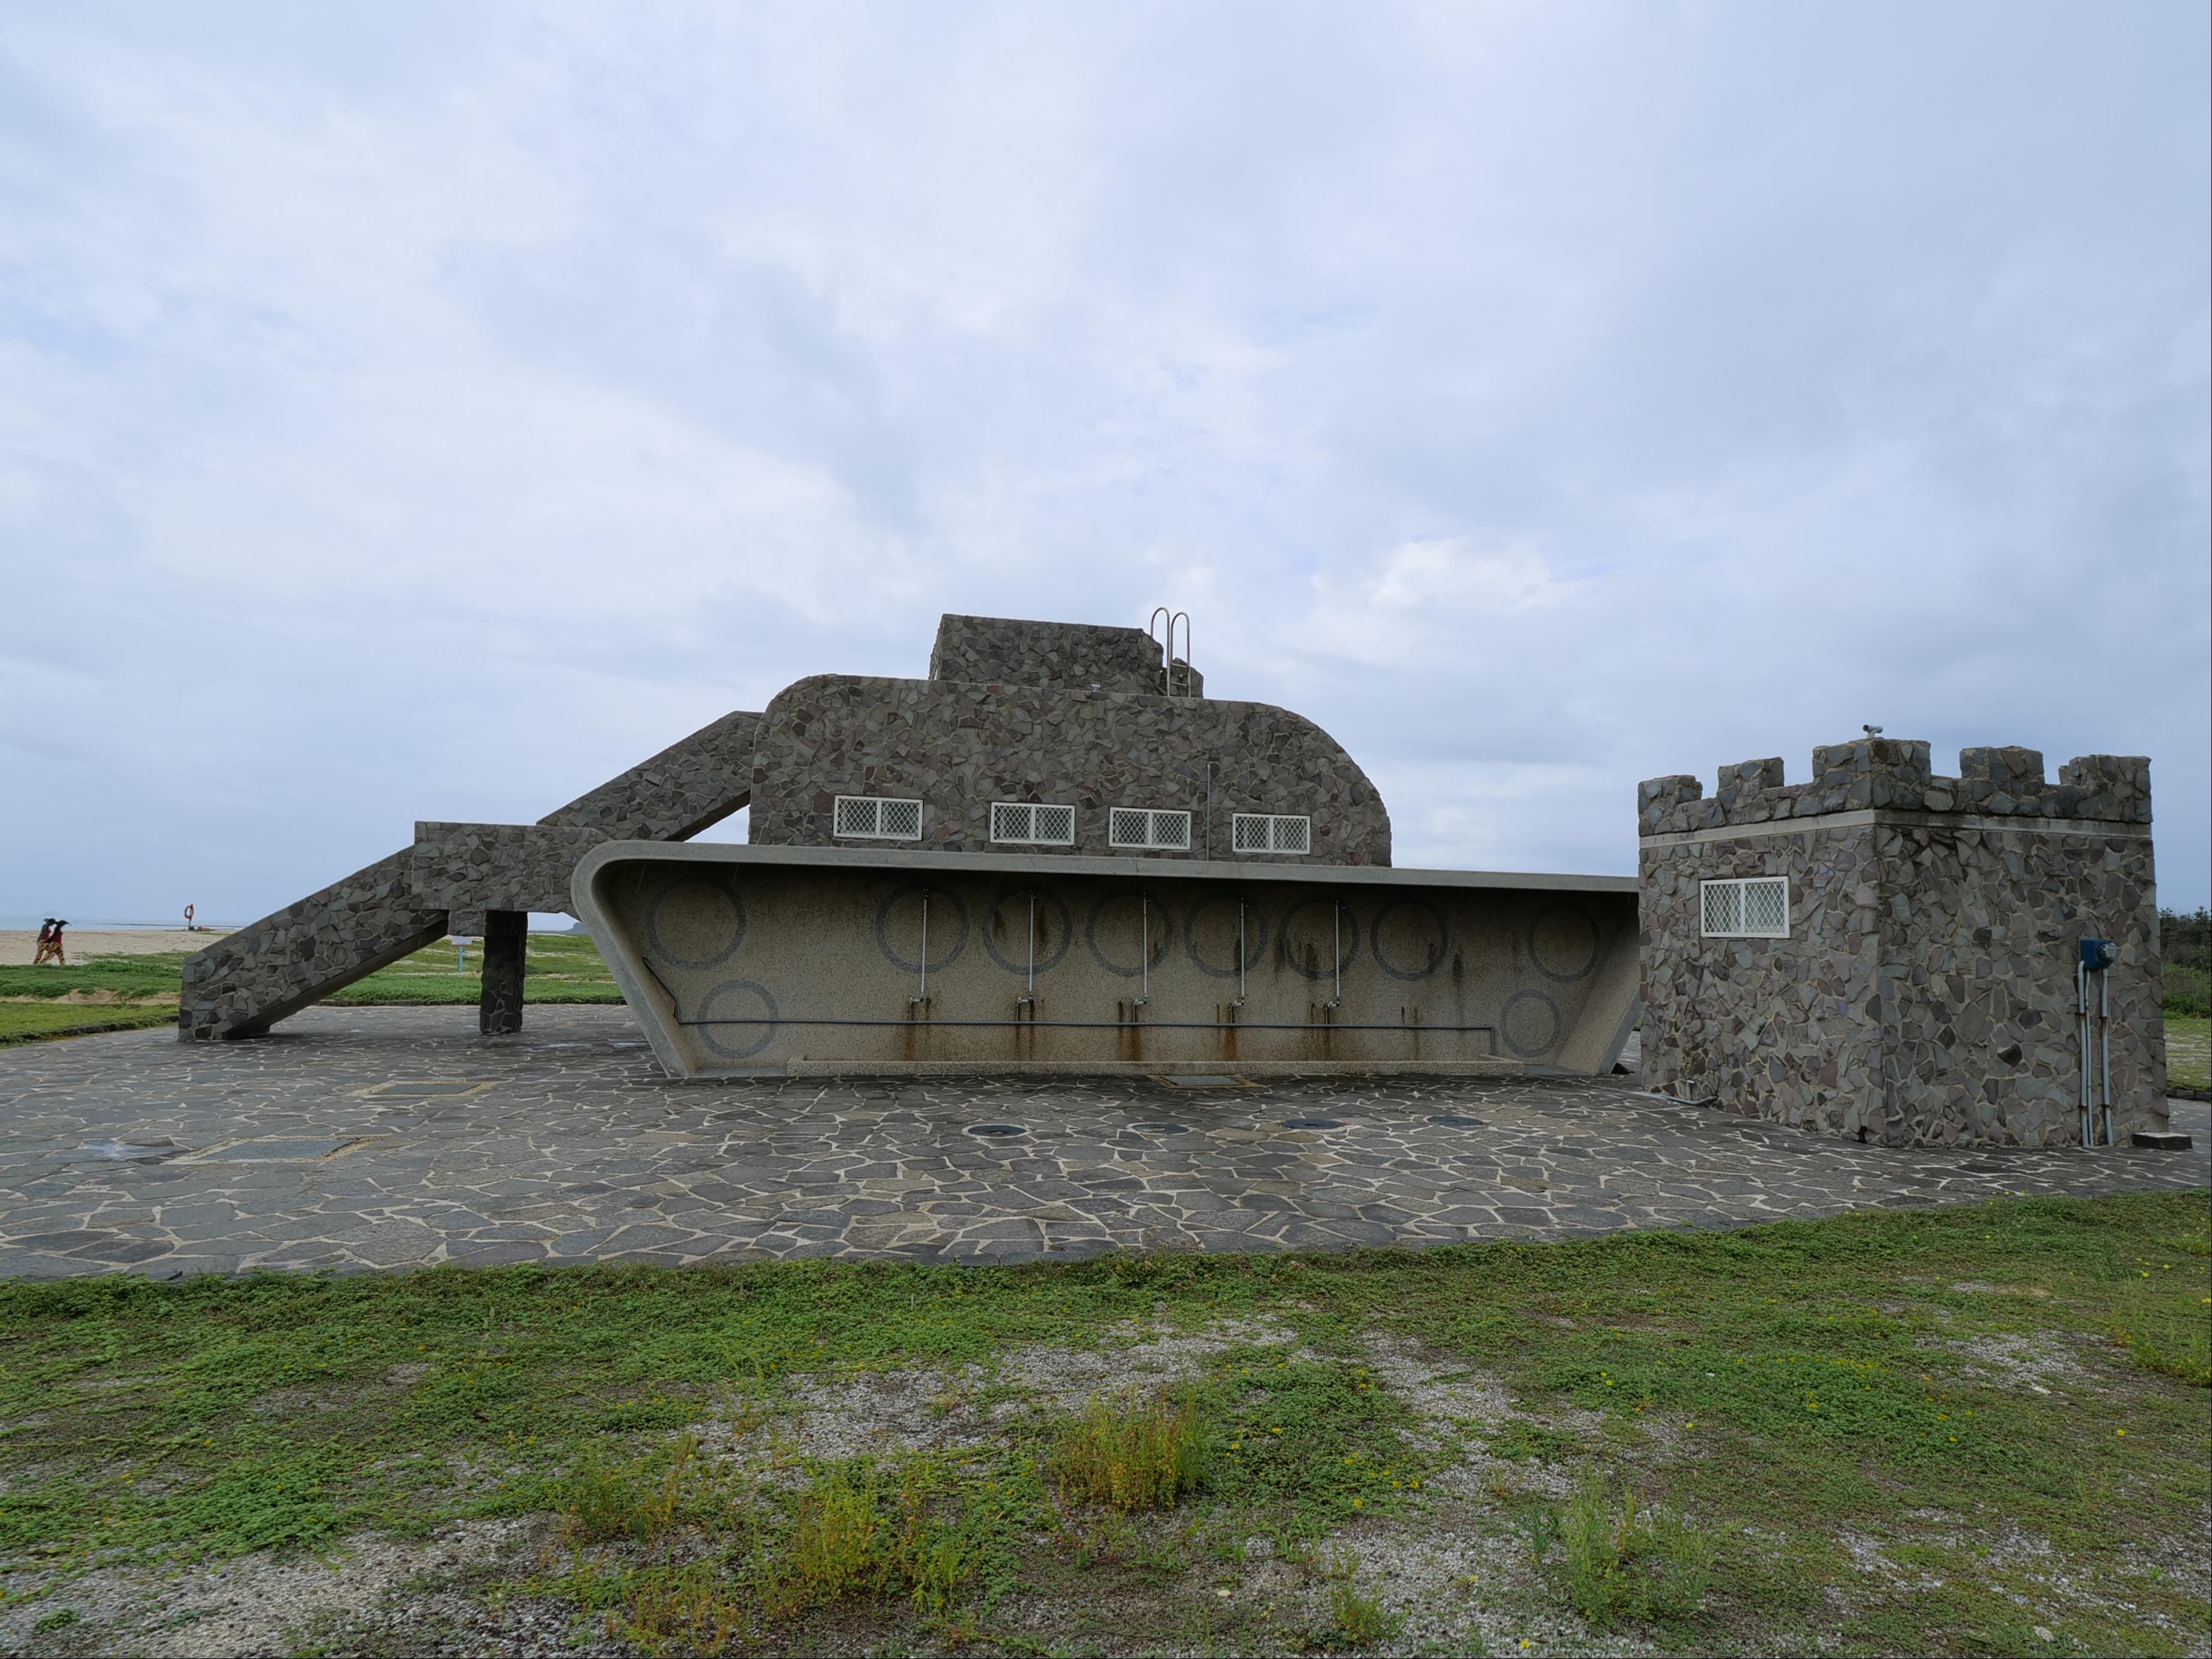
x,y
1752,907
1036,824
874,817
1141,826
1270,832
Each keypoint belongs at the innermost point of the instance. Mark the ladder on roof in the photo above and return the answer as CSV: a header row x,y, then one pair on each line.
x,y
1170,663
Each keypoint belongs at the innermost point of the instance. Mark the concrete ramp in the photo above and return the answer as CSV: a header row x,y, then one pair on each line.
x,y
458,877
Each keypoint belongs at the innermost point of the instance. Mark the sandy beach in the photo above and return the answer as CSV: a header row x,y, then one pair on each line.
x,y
19,947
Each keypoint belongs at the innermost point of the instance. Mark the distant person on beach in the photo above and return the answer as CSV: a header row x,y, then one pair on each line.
x,y
49,943
45,940
190,926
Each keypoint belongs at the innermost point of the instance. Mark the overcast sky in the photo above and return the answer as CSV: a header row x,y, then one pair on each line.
x,y
428,411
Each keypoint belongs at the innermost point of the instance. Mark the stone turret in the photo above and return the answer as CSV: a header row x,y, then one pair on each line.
x,y
1906,970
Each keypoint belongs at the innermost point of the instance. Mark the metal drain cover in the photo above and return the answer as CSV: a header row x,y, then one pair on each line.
x,y
1454,1120
1312,1123
996,1129
1203,1082
422,1088
1162,1128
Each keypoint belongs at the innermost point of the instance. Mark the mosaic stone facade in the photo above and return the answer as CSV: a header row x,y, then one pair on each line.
x,y
1926,991
960,746
462,867
685,788
1063,656
247,981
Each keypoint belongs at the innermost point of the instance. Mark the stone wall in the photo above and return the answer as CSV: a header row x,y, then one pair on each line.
x,y
1926,991
1885,773
1063,656
465,867
959,747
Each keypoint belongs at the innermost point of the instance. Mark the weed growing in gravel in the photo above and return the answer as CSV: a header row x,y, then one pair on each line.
x,y
1359,1619
1625,1560
640,1500
835,1548
693,1608
1309,1444
1130,1452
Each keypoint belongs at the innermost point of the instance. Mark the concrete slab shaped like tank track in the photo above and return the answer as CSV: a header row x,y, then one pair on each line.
x,y
742,961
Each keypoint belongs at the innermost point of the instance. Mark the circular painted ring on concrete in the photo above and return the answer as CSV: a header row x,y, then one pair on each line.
x,y
1571,950
940,899
1422,907
1549,1013
655,938
1018,925
1255,933
1163,927
1345,945
769,1014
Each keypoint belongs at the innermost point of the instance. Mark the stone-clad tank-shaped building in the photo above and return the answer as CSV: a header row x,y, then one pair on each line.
x,y
1058,715
1056,852
1892,955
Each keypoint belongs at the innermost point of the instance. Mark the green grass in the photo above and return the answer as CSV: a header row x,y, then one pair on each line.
x,y
2188,1052
1132,1452
124,978
1738,1410
32,1022
2188,991
556,968
1627,1561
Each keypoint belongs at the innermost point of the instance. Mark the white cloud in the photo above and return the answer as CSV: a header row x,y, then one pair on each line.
x,y
427,413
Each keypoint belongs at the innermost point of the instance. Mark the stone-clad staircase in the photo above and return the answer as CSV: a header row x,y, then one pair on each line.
x,y
468,877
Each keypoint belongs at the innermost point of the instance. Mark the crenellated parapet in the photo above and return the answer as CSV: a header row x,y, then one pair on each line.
x,y
1889,954
1894,774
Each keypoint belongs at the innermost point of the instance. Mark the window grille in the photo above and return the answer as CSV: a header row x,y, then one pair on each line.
x,y
1042,826
1139,826
1754,907
876,818
1270,832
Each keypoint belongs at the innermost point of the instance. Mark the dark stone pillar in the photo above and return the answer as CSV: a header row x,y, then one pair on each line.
x,y
506,936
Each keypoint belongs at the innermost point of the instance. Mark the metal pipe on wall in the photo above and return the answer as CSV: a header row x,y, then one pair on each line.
x,y
2081,1037
923,996
2104,1044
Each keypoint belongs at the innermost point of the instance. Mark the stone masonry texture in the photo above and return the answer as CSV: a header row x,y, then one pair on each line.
x,y
1059,656
958,747
246,981
685,788
500,866
1009,714
121,1153
1926,991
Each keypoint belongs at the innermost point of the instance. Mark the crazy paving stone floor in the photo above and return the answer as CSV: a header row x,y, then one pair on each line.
x,y
393,1137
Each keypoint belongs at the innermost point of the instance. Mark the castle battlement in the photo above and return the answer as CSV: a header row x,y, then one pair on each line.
x,y
1894,774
